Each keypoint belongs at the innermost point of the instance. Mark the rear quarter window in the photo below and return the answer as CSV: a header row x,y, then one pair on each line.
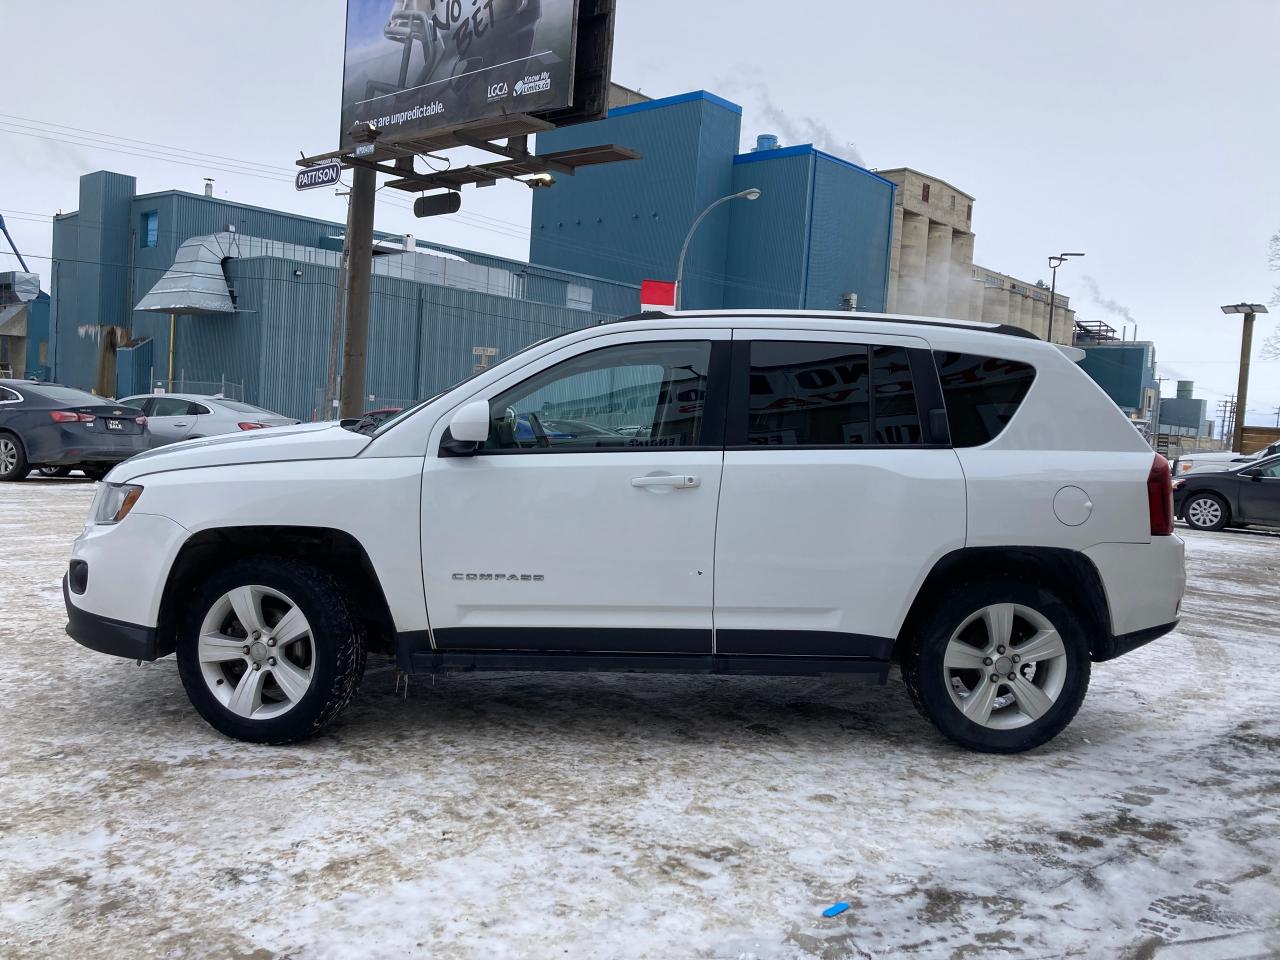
x,y
981,394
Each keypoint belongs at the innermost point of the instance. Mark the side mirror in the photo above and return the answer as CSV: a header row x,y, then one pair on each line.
x,y
1253,473
471,423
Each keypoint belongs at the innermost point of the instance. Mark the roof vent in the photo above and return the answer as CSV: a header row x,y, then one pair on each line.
x,y
766,141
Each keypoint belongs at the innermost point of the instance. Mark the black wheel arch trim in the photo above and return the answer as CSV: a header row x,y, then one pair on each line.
x,y
1054,567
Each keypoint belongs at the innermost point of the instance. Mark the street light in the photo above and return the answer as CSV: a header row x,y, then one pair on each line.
x,y
751,193
1246,348
1054,264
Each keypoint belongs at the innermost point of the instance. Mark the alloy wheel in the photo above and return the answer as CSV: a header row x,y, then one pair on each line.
x,y
1005,666
8,454
1204,512
256,652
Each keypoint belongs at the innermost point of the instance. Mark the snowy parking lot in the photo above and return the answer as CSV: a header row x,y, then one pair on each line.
x,y
637,816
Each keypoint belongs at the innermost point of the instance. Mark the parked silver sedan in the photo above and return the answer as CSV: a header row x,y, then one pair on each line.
x,y
185,416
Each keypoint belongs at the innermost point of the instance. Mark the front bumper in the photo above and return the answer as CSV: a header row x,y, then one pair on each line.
x,y
105,635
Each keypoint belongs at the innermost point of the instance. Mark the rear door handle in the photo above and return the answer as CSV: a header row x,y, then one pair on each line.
x,y
683,482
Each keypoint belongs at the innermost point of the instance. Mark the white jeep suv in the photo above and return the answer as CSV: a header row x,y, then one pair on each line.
x,y
742,492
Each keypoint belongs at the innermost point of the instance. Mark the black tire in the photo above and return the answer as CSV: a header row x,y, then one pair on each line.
x,y
55,471
11,446
927,680
94,473
337,635
1207,499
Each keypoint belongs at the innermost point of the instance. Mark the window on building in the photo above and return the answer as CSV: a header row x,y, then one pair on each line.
x,y
806,394
953,201
969,214
149,230
578,297
622,397
924,193
981,394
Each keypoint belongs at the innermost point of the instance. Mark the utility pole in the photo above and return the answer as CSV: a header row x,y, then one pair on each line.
x,y
358,249
335,336
1278,416
1246,348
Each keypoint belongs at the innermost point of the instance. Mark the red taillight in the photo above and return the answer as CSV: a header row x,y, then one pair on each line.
x,y
250,426
1160,497
69,416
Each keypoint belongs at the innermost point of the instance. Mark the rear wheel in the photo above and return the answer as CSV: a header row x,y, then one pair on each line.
x,y
13,459
269,651
94,473
1206,511
999,666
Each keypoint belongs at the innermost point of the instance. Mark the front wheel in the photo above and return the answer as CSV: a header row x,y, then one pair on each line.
x,y
269,651
999,666
1206,511
55,471
94,473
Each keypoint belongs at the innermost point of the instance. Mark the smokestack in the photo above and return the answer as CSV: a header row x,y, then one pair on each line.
x,y
1185,389
410,244
849,302
766,141
208,186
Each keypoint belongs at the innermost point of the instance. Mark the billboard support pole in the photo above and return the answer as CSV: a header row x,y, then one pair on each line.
x,y
359,248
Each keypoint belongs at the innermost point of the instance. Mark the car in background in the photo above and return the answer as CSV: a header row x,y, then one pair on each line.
x,y
49,425
1220,459
187,416
1248,493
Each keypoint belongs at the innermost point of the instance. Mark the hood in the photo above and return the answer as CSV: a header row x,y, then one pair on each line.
x,y
307,441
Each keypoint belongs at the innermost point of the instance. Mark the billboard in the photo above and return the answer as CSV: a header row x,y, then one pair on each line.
x,y
417,67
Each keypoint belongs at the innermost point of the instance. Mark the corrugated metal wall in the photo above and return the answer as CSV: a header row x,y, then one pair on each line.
x,y
420,335
627,221
849,236
767,260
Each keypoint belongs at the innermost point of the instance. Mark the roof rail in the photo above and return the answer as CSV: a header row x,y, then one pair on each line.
x,y
1002,328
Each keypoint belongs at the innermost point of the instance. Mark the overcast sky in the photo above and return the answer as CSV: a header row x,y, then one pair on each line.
x,y
1143,133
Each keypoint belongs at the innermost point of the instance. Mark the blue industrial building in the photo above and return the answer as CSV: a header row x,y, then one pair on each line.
x,y
192,293
249,296
819,233
1126,370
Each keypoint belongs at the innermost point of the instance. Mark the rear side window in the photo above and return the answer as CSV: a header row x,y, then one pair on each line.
x,y
982,394
812,394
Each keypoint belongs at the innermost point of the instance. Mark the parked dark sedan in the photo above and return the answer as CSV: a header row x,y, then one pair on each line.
x,y
49,425
1247,493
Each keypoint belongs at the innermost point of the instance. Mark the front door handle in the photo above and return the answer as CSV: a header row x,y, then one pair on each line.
x,y
683,482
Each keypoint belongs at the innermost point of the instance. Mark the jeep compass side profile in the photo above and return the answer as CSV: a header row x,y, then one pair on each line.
x,y
744,492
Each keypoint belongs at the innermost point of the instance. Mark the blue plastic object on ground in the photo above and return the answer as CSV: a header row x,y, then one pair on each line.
x,y
835,910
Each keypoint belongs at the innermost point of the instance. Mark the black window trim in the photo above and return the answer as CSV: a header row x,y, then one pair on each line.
x,y
924,373
713,413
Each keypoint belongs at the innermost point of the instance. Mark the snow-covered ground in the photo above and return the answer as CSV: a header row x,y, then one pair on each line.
x,y
540,816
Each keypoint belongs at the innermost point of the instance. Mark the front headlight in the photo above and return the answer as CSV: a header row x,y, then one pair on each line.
x,y
114,501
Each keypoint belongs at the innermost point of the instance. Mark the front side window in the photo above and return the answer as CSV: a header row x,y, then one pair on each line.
x,y
630,396
806,394
1272,470
981,394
